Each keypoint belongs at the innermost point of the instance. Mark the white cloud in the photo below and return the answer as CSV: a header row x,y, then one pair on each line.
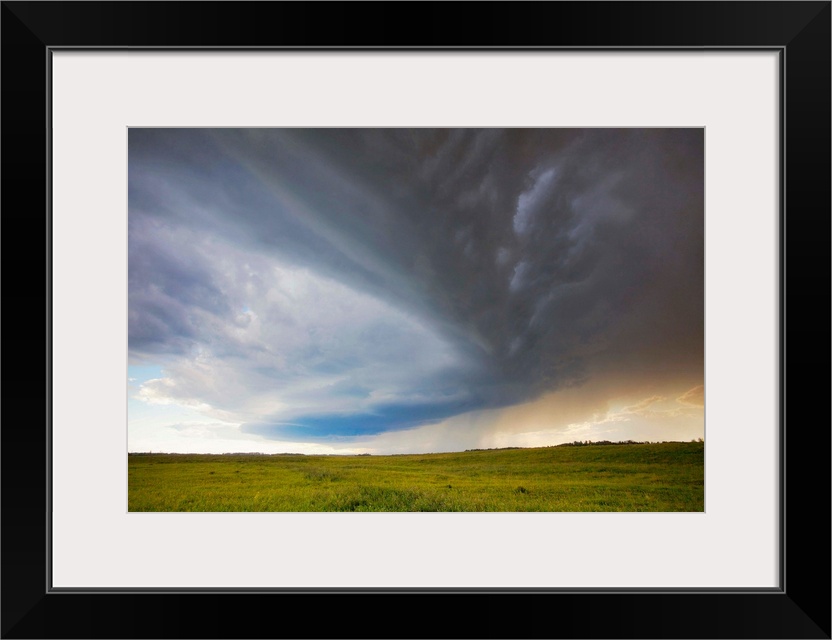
x,y
693,397
298,343
530,201
518,278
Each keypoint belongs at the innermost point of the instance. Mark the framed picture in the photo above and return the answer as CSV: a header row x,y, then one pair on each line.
x,y
753,79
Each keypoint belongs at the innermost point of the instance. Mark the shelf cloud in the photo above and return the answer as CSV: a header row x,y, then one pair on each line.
x,y
337,285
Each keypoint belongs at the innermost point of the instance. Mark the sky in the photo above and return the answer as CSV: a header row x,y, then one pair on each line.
x,y
385,291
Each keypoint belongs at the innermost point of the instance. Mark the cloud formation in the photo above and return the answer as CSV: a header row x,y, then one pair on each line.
x,y
325,283
693,397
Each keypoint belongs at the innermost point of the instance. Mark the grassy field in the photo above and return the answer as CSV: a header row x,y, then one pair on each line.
x,y
631,477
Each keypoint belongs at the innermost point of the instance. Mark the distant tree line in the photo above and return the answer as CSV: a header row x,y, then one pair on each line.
x,y
586,443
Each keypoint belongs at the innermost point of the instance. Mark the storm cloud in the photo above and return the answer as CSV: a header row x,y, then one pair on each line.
x,y
330,283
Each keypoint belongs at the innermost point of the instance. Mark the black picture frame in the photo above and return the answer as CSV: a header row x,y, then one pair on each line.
x,y
799,608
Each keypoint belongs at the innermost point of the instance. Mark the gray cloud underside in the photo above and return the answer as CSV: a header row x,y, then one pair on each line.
x,y
534,256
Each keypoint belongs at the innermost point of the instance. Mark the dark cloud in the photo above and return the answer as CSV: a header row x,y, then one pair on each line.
x,y
537,255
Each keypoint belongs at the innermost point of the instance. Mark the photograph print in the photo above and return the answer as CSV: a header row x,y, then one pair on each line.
x,y
450,319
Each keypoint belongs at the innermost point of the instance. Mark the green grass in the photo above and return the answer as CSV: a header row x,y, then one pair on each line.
x,y
631,477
